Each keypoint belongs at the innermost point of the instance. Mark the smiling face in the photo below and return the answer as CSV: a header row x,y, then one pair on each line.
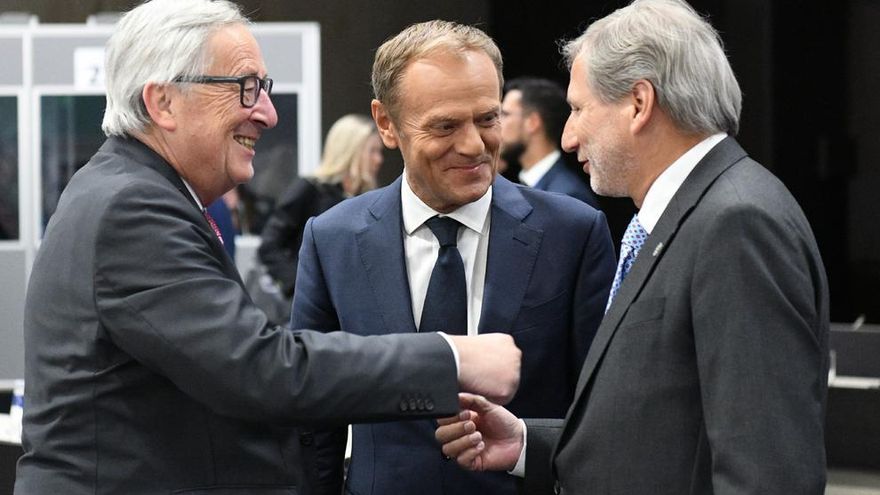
x,y
213,144
447,126
596,131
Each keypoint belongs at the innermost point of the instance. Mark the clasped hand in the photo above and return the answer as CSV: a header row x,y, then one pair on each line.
x,y
483,436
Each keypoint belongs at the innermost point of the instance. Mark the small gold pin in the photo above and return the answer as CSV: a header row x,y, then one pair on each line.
x,y
657,249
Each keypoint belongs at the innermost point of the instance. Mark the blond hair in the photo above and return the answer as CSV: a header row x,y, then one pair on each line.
x,y
418,41
343,153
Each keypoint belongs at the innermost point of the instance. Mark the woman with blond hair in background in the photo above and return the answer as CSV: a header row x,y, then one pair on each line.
x,y
349,165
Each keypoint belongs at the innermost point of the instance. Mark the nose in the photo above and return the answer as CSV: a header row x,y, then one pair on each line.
x,y
264,112
471,141
569,137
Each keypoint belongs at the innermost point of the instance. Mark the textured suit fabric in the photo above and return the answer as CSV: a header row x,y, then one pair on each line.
x,y
149,370
708,374
549,268
560,179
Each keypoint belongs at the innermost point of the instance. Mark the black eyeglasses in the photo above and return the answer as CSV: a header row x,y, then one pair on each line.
x,y
249,86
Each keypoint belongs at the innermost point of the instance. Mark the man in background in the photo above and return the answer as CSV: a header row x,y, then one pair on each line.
x,y
148,368
709,372
533,114
449,246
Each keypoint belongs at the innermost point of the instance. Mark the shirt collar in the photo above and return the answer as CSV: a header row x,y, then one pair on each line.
x,y
533,175
415,212
192,193
667,183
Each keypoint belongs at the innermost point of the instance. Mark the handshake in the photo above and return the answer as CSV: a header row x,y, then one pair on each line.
x,y
484,436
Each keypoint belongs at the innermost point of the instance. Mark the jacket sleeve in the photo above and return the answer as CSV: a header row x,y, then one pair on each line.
x,y
761,347
542,435
169,300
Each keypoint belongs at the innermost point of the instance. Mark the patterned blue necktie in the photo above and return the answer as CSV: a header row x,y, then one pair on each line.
x,y
445,308
632,242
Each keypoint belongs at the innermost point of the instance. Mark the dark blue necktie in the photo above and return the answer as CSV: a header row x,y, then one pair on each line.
x,y
445,308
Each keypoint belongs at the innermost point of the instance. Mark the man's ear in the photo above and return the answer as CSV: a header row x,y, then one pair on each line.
x,y
157,100
643,99
387,131
532,122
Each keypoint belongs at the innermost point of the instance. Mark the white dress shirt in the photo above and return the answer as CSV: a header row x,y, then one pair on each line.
x,y
421,248
667,183
656,200
537,171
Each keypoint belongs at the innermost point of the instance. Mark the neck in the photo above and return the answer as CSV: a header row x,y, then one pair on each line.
x,y
656,154
535,151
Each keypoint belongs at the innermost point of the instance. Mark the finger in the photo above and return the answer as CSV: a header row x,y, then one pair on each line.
x,y
473,402
457,447
462,416
471,459
448,433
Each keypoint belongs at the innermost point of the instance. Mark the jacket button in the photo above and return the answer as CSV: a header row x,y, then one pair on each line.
x,y
429,404
420,403
404,405
412,405
306,439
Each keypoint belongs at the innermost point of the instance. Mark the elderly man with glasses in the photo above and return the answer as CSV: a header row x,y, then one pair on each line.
x,y
148,368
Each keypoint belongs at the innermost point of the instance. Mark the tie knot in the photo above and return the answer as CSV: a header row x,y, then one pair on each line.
x,y
445,229
635,234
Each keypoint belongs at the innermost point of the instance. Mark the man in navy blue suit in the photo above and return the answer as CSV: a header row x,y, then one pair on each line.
x,y
536,265
533,114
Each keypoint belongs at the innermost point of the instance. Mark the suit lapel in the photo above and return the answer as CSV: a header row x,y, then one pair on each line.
x,y
384,261
719,159
513,250
140,153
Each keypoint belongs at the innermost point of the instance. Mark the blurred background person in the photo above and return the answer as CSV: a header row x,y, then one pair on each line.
x,y
533,114
349,165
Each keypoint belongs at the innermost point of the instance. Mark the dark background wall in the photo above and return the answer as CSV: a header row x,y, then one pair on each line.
x,y
808,70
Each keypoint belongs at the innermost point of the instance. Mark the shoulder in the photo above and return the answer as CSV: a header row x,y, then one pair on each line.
x,y
545,208
356,212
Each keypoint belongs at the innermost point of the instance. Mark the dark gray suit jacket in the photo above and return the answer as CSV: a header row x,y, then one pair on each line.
x,y
149,370
548,271
708,373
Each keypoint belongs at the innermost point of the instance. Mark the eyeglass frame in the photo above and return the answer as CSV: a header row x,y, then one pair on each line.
x,y
262,84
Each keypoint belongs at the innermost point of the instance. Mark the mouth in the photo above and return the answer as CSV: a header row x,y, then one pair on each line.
x,y
245,141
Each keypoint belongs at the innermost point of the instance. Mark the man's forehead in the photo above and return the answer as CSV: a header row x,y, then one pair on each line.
x,y
235,50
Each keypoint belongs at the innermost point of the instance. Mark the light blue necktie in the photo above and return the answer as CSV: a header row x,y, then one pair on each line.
x,y
632,242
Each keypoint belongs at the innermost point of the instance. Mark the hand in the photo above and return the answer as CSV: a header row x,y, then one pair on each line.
x,y
483,437
489,365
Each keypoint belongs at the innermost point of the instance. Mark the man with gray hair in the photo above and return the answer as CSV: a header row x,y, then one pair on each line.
x,y
708,373
450,246
148,368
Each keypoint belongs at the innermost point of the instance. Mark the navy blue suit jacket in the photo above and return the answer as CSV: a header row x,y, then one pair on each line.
x,y
560,179
549,269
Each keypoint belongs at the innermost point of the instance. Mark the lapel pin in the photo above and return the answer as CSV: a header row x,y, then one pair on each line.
x,y
657,249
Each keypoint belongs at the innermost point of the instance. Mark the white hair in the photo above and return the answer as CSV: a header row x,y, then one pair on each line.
x,y
158,41
670,45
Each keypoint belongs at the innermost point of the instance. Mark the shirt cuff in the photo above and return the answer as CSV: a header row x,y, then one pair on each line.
x,y
520,469
448,340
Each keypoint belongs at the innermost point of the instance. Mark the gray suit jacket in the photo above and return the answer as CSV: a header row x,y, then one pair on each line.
x,y
708,373
149,370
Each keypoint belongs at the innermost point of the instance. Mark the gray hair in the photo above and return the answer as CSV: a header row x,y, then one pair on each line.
x,y
670,45
420,40
158,41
